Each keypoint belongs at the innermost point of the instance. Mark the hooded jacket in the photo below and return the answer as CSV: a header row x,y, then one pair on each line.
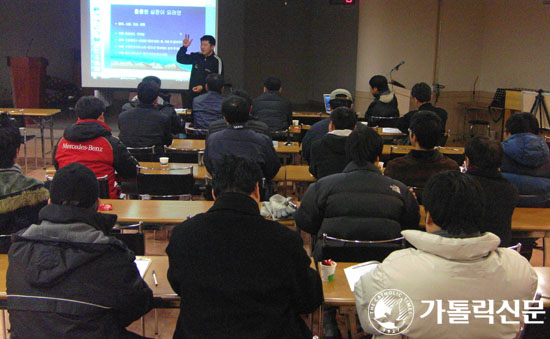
x,y
385,106
273,109
91,143
526,164
328,155
443,268
68,279
358,204
21,198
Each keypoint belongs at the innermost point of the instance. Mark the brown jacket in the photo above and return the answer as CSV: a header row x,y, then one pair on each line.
x,y
415,168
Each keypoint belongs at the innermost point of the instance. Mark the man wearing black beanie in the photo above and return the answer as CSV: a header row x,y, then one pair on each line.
x,y
67,277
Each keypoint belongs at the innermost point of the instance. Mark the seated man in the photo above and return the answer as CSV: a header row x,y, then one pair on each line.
x,y
241,276
384,104
415,168
21,198
328,154
454,263
162,104
360,203
422,94
271,107
67,278
239,141
338,98
251,123
207,107
483,161
91,143
526,161
145,126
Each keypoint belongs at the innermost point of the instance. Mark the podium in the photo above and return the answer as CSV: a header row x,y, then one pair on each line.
x,y
28,80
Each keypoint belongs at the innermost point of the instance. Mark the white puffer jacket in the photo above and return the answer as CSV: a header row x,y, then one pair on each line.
x,y
451,269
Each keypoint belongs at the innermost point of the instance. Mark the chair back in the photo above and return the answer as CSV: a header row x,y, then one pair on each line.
x,y
103,183
165,182
135,241
359,250
146,154
181,156
5,243
384,121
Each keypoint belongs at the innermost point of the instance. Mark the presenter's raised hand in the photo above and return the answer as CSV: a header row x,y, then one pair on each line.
x,y
186,41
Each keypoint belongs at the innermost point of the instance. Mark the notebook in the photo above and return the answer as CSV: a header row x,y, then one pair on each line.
x,y
142,265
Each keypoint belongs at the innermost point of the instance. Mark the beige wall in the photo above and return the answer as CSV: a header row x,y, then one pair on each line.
x,y
504,43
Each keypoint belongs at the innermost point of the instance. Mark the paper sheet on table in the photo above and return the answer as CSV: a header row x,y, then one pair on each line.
x,y
142,265
391,130
353,273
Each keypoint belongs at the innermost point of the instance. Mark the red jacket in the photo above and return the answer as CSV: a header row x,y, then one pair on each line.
x,y
91,143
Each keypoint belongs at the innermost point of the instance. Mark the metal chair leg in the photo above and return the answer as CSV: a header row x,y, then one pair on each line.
x,y
143,326
156,323
4,324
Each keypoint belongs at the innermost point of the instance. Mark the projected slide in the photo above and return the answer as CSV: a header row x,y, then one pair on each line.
x,y
125,40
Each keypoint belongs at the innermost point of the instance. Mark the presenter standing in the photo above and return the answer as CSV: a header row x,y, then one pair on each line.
x,y
204,63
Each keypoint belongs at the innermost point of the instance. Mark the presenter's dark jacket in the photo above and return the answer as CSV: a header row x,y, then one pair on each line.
x,y
357,204
91,143
68,279
144,126
242,142
240,275
501,197
273,109
202,66
405,121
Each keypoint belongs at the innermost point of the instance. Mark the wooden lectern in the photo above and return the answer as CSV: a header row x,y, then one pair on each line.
x,y
28,80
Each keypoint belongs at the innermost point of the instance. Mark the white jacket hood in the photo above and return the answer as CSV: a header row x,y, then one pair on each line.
x,y
459,249
387,97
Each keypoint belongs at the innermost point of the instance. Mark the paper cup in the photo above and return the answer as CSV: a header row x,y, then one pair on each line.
x,y
164,161
275,143
296,122
327,272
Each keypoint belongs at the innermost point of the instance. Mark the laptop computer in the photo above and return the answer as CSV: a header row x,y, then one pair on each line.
x,y
326,99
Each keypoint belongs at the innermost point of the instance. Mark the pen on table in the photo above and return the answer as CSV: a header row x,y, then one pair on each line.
x,y
155,278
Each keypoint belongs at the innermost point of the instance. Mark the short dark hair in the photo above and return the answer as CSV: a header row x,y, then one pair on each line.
x,y
214,82
89,107
379,82
152,78
335,103
426,126
210,39
455,201
272,83
484,153
421,92
523,122
235,109
10,140
148,92
343,118
236,175
243,94
364,145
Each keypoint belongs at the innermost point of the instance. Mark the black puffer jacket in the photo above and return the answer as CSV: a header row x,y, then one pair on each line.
x,y
273,109
176,123
328,155
358,204
242,142
67,279
383,106
144,126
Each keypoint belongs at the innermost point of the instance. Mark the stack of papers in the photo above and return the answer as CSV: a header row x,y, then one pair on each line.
x,y
355,272
391,130
142,265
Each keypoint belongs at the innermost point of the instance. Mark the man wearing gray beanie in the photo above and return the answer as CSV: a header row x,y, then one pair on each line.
x,y
67,277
